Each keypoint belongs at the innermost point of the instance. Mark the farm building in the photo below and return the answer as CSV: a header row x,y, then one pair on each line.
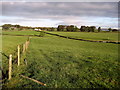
x,y
37,29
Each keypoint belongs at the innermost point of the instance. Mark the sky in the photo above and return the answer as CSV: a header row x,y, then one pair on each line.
x,y
52,14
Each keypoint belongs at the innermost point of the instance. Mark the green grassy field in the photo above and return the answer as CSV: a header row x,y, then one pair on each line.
x,y
9,43
64,63
9,46
81,35
21,32
91,35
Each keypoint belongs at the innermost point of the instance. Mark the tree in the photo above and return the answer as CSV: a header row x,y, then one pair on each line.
x,y
114,30
109,29
76,29
87,29
6,26
61,28
92,28
82,29
72,28
99,29
17,26
68,28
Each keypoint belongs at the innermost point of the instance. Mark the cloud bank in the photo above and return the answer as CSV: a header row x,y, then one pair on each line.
x,y
103,14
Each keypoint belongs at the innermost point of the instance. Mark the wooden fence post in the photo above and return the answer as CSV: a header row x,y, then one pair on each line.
x,y
26,45
23,48
10,66
18,55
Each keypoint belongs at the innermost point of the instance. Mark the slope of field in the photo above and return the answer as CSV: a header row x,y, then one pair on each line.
x,y
91,35
65,63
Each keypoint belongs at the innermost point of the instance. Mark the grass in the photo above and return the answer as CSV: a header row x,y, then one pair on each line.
x,y
91,35
9,43
34,33
65,63
21,32
9,46
111,36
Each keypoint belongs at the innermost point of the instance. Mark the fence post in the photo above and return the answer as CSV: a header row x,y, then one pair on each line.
x,y
10,66
27,42
18,55
26,45
23,48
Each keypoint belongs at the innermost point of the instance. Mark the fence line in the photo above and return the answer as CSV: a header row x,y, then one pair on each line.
x,y
20,52
100,41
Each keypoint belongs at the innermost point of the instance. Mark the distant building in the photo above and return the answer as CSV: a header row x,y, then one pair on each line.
x,y
37,29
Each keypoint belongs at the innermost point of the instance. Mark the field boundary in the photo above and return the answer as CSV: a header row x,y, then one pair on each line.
x,y
101,41
16,57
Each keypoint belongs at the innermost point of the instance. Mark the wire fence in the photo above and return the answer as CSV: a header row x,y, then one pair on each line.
x,y
16,57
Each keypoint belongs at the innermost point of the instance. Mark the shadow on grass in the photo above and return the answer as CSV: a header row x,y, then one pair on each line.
x,y
5,55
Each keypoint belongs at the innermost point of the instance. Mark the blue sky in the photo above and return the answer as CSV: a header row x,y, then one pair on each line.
x,y
51,14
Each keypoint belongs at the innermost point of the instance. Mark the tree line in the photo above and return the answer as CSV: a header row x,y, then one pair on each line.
x,y
66,28
72,28
15,27
6,27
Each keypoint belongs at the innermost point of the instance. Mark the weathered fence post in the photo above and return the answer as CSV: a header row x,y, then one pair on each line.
x,y
18,55
10,66
23,48
26,45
